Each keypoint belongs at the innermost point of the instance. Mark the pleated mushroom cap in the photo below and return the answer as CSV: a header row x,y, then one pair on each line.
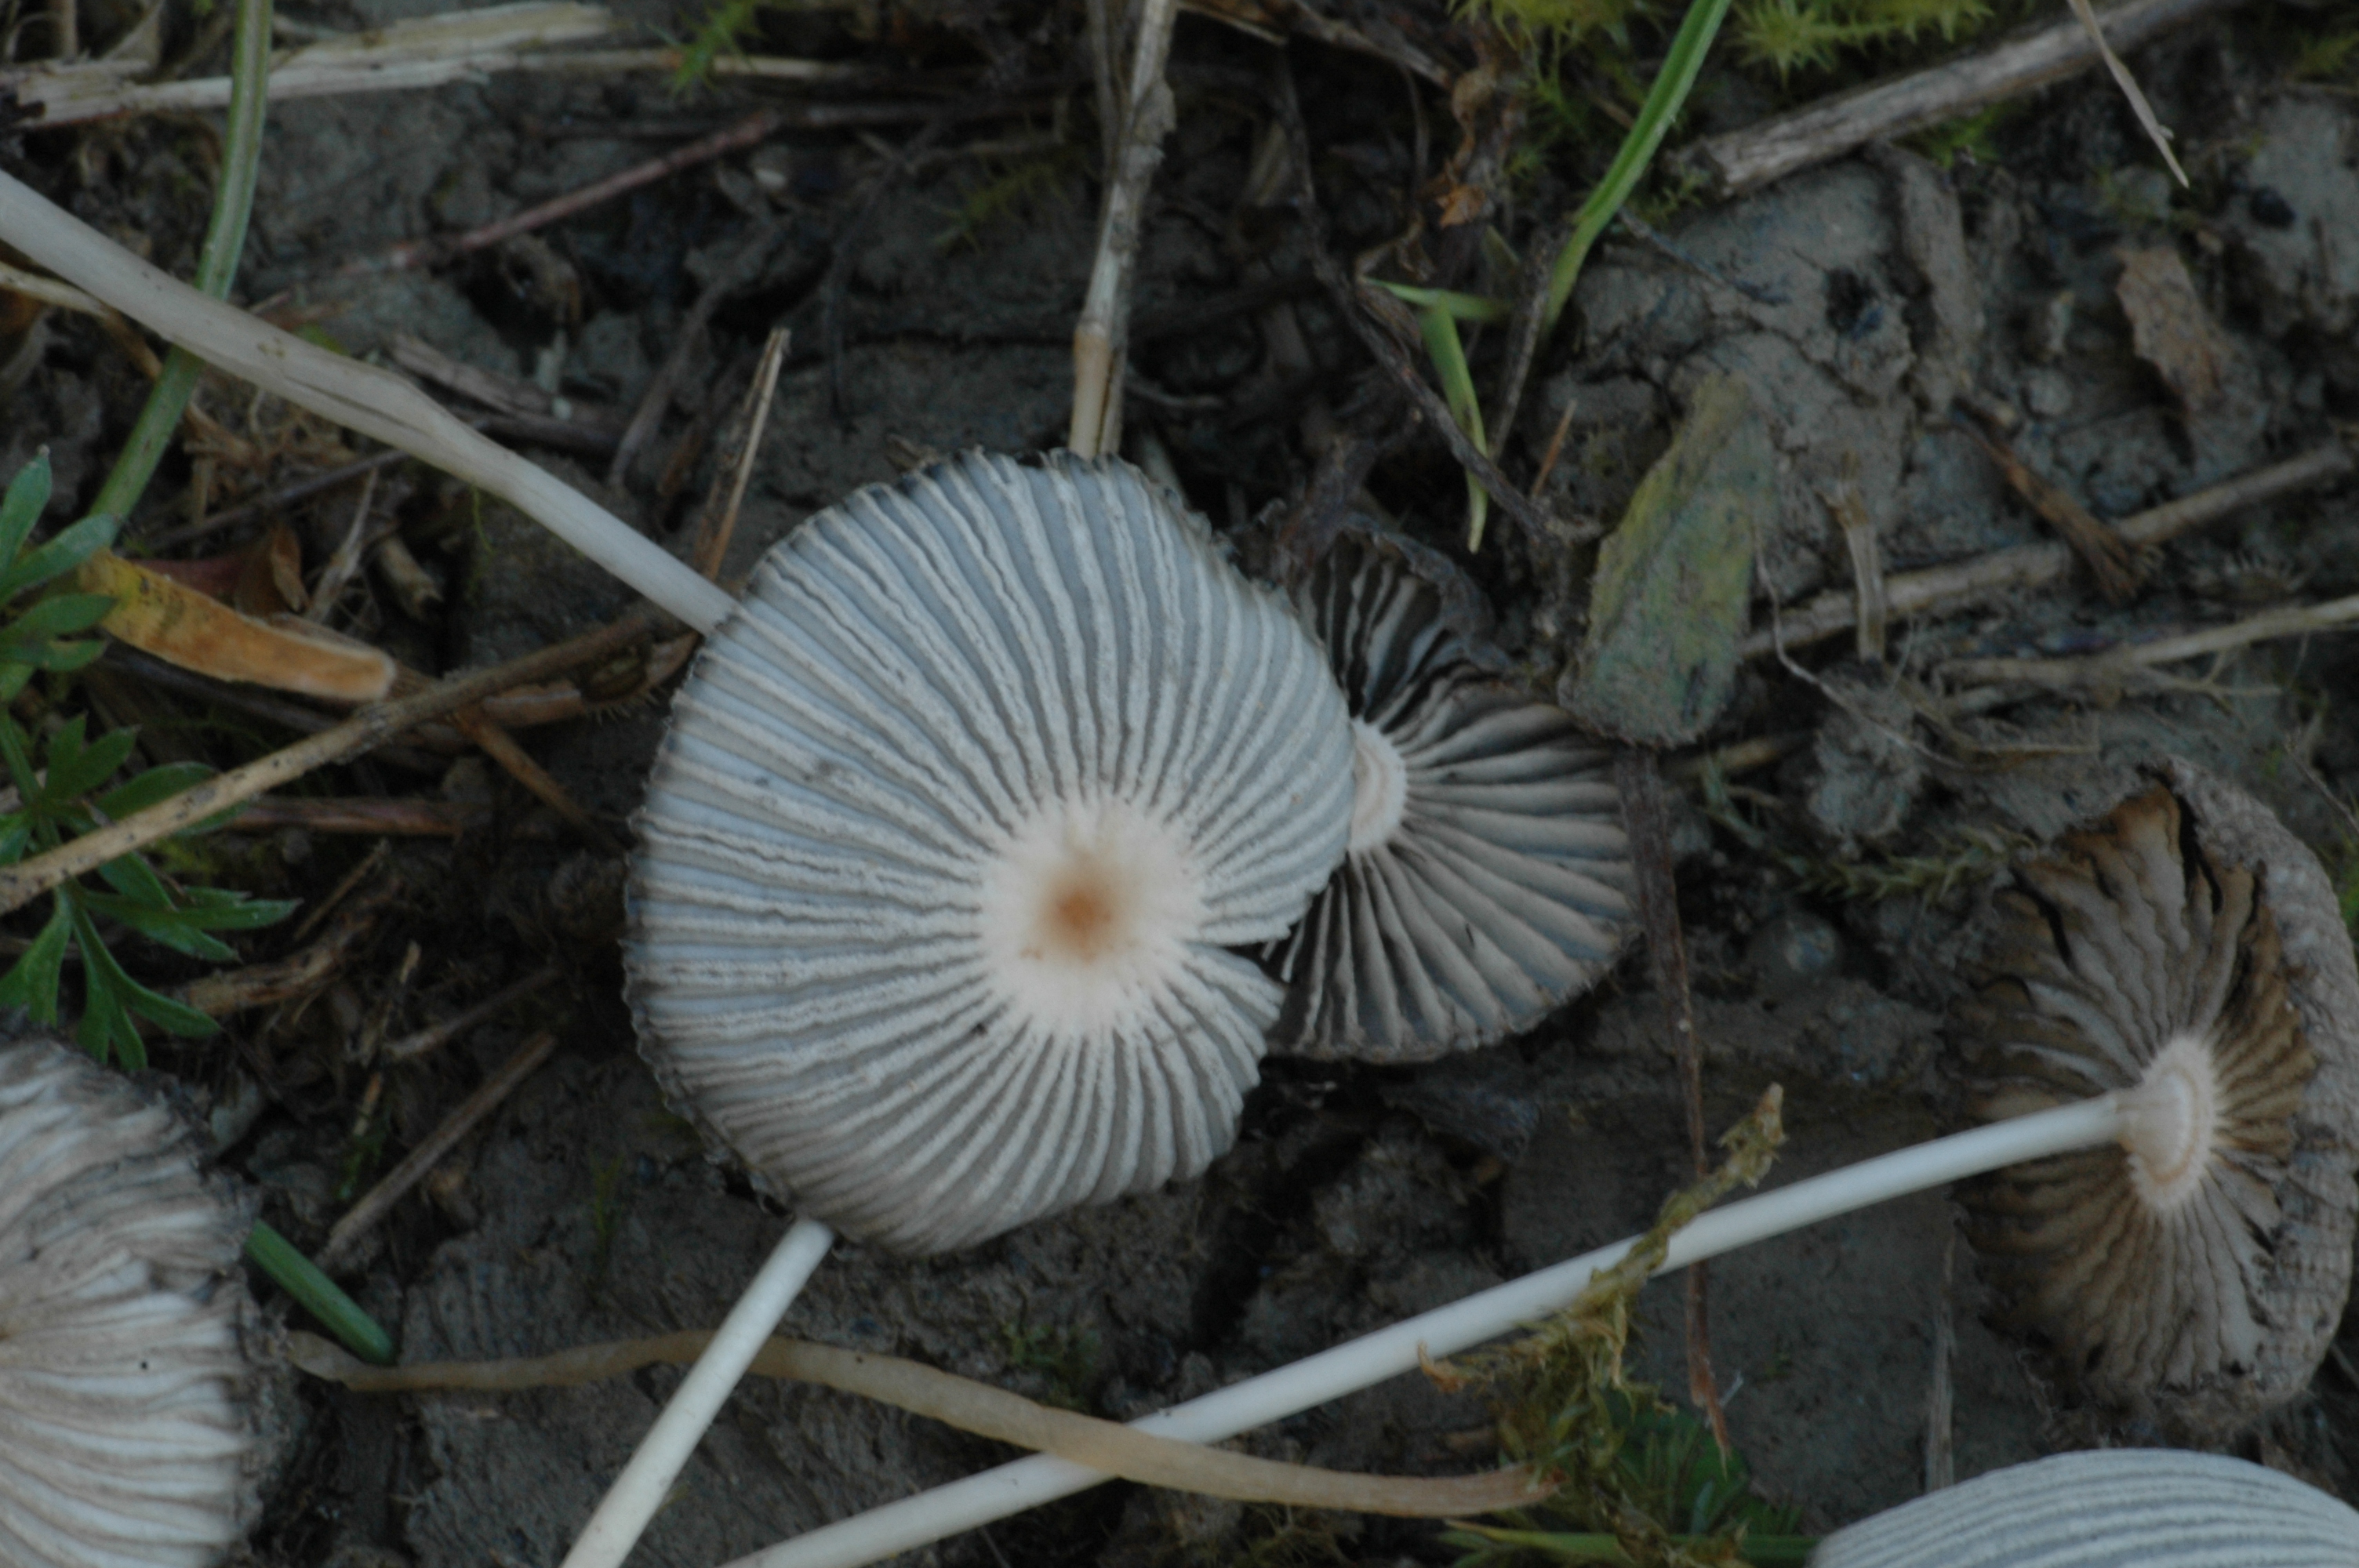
x,y
2189,951
2116,1508
1488,877
127,1417
956,821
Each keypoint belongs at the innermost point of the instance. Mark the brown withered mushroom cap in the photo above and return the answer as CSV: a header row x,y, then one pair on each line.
x,y
2187,948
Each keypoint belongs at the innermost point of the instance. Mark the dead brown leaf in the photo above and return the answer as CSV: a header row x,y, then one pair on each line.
x,y
2173,332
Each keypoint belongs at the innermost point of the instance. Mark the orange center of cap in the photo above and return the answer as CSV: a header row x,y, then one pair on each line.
x,y
1081,919
1087,914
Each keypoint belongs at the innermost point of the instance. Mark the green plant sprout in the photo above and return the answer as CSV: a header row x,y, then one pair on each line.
x,y
60,797
1067,1357
723,32
1961,855
1642,1482
1026,185
1787,35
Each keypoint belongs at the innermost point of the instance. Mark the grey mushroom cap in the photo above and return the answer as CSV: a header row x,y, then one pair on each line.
x,y
2188,950
2117,1507
128,1433
1488,877
957,823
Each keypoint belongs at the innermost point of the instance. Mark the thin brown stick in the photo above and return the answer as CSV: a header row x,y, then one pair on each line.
x,y
1748,159
346,562
1555,447
399,817
1100,339
518,764
718,524
433,1037
299,973
2032,565
507,395
378,722
744,265
1647,817
379,1199
2129,667
2086,14
970,1406
1850,513
2105,554
416,254
285,495
1940,1395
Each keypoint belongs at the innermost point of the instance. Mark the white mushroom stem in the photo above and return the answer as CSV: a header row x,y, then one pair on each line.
x,y
358,397
1370,1359
640,1491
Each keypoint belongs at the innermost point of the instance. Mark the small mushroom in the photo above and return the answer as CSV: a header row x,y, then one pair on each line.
x,y
127,1432
2150,1508
1488,877
958,821
2188,952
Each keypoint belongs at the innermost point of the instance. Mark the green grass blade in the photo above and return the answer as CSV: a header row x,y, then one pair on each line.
x,y
1664,100
216,263
1449,356
318,1295
1476,308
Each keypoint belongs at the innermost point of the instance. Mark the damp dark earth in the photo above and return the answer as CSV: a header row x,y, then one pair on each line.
x,y
1884,479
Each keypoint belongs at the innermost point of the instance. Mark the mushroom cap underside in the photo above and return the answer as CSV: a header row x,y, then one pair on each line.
x,y
127,1412
2117,1507
958,821
2193,1278
1488,877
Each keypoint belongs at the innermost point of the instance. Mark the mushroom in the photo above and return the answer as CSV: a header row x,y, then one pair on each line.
x,y
2190,951
956,822
2155,1508
2113,900
941,863
1487,878
128,1425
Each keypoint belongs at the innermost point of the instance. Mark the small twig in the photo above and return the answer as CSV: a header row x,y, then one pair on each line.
x,y
416,254
1739,756
2087,17
2031,566
744,265
1940,1397
49,291
1525,330
299,973
21,883
1645,815
399,816
284,496
2127,668
2105,554
319,912
1101,338
972,1407
1850,513
425,1042
346,562
1555,447
1745,160
379,1199
507,395
718,522
519,766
